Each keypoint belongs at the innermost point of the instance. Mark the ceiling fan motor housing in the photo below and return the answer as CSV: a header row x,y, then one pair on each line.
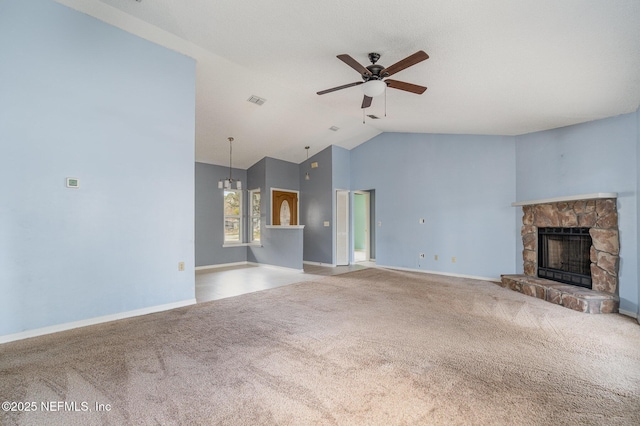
x,y
375,73
374,69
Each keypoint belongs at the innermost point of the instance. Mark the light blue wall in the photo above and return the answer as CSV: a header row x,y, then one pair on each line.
x,y
209,216
280,174
316,207
462,185
80,98
599,156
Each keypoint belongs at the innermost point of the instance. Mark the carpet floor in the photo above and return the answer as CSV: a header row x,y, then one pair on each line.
x,y
371,347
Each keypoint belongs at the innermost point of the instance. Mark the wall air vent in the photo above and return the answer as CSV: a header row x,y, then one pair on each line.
x,y
373,117
256,100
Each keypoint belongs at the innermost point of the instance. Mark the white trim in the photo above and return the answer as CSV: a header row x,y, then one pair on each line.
x,y
307,262
448,274
593,196
284,226
269,266
628,313
220,265
93,321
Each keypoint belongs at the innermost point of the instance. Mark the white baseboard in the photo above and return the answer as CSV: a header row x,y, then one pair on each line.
x,y
221,265
92,321
628,313
245,263
307,262
447,274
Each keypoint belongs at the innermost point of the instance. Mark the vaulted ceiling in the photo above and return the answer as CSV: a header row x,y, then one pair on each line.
x,y
496,66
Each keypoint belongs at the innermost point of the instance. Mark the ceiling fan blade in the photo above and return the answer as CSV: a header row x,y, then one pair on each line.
x,y
366,101
407,87
354,64
419,56
322,92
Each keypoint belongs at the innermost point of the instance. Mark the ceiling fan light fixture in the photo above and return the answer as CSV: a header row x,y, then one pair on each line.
x,y
373,88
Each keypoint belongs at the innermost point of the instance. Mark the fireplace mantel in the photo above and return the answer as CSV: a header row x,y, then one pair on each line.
x,y
593,196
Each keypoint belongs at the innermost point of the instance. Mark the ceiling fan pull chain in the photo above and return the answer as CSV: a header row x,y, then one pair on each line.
x,y
362,115
385,101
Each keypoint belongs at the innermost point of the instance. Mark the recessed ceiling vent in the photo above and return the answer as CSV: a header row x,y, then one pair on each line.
x,y
334,128
256,100
373,117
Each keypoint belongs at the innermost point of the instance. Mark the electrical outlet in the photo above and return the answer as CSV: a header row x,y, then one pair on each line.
x,y
435,257
180,266
421,255
453,259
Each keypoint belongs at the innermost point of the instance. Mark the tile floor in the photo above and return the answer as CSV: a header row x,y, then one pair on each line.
x,y
218,283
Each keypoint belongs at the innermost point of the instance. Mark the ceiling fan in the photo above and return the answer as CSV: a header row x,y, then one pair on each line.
x,y
374,76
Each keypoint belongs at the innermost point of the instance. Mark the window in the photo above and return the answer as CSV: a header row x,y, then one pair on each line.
x,y
254,219
232,216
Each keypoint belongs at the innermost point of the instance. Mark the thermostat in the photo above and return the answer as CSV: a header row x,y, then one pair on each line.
x,y
73,182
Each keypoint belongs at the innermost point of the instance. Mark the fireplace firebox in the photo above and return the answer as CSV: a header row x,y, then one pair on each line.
x,y
564,255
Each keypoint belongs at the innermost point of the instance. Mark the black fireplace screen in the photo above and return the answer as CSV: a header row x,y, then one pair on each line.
x,y
564,255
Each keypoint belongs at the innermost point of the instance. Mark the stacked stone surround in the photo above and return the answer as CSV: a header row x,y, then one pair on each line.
x,y
601,217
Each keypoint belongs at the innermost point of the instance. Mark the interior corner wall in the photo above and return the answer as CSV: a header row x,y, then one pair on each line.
x,y
279,247
86,100
598,156
462,185
316,207
209,216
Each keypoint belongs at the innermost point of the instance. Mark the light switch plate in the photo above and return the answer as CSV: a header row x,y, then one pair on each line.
x,y
327,223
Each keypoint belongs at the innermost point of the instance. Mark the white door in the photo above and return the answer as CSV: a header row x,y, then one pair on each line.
x,y
342,227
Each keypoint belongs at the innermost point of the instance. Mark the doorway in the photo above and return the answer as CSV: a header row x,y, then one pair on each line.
x,y
342,227
361,226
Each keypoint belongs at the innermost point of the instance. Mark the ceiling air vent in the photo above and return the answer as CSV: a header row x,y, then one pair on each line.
x,y
256,100
334,128
373,117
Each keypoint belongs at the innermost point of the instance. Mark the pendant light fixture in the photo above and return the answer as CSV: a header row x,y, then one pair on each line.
x,y
306,175
229,182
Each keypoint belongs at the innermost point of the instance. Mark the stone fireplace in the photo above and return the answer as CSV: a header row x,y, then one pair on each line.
x,y
594,289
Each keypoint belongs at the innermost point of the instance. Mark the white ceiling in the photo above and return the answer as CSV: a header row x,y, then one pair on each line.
x,y
503,67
